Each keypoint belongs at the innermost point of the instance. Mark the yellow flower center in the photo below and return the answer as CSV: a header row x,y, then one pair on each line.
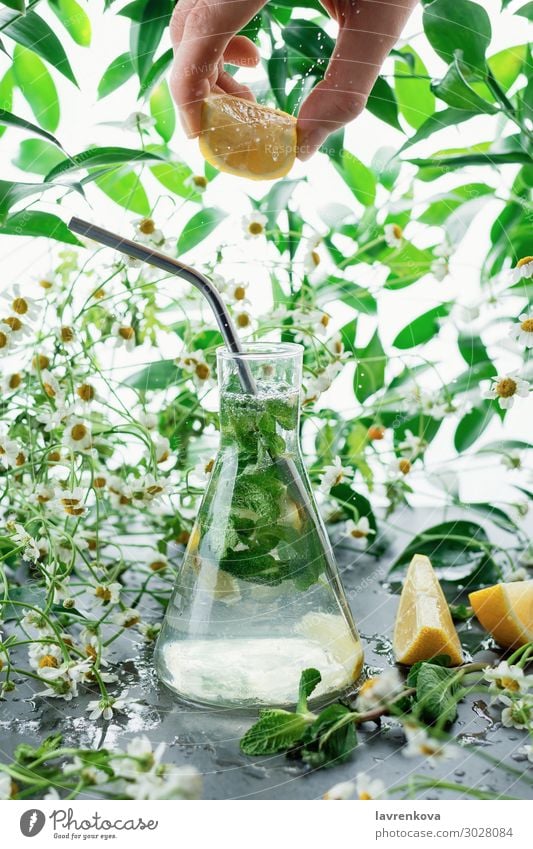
x,y
243,319
48,661
365,797
15,380
78,432
202,371
157,565
103,592
524,261
131,620
255,228
324,321
91,652
183,537
99,482
315,258
126,332
239,293
527,325
376,432
397,231
13,322
21,458
67,334
45,284
54,457
356,534
509,684
199,181
147,226
99,294
40,361
506,388
3,339
427,749
208,468
404,466
86,392
20,306
49,389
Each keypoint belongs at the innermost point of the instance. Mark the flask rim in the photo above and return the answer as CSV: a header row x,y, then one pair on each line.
x,y
262,351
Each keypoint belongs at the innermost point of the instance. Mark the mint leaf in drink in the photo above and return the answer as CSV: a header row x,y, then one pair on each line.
x,y
438,660
331,738
436,693
275,731
284,411
309,680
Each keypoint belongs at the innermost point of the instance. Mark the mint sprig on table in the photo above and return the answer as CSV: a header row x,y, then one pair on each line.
x,y
329,737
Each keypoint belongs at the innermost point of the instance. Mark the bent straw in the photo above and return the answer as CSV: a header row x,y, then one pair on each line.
x,y
227,329
174,266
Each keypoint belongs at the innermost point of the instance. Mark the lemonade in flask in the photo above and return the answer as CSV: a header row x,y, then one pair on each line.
x,y
258,596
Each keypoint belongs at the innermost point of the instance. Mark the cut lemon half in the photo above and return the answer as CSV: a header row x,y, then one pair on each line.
x,y
424,626
506,612
243,138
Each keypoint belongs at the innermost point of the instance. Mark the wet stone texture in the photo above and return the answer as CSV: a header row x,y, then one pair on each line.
x,y
209,739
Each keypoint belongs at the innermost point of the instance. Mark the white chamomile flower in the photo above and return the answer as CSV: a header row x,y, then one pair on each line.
x,y
440,268
14,328
77,435
368,789
135,122
146,419
124,335
506,388
312,258
310,322
379,689
64,679
23,538
148,233
393,235
506,678
6,338
139,757
333,475
51,386
237,293
161,448
72,501
202,470
522,270
149,488
9,449
522,330
511,574
127,618
86,394
42,493
517,713
11,382
420,744
443,250
105,706
254,224
20,304
108,593
359,531
197,182
87,771
194,363
412,445
341,791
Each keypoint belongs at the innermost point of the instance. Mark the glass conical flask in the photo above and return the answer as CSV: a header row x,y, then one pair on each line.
x,y
258,597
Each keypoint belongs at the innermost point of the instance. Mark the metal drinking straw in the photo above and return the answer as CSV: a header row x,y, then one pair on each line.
x,y
227,329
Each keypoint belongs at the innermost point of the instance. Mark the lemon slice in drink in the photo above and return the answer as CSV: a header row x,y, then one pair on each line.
x,y
424,626
506,612
243,138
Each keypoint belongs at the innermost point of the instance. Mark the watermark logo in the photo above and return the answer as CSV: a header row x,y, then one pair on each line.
x,y
32,822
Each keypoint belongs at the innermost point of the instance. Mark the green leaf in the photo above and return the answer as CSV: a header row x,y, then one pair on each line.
x,y
278,69
526,11
354,505
331,739
438,660
17,5
309,680
97,156
311,41
158,375
198,228
436,687
438,121
359,179
455,90
74,19
33,32
276,199
370,369
453,24
37,156
472,425
507,64
125,188
383,105
6,96
37,86
176,177
472,349
416,101
11,193
29,223
407,265
9,120
155,73
116,74
275,731
146,32
423,328
162,110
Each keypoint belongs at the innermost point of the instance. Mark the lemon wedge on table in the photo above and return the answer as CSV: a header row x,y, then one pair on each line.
x,y
506,612
243,138
424,626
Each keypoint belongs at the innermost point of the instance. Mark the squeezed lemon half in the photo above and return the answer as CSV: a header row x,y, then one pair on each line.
x,y
243,138
506,612
424,626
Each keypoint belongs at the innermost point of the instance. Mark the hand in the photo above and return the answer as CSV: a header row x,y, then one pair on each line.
x,y
203,34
